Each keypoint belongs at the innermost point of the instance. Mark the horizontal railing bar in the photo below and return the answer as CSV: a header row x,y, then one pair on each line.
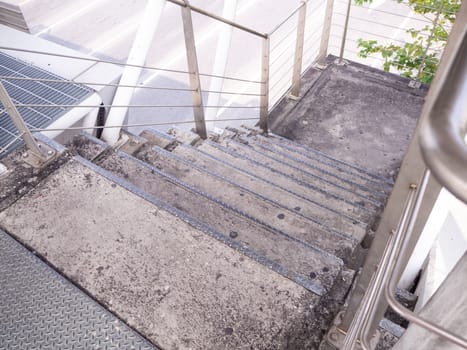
x,y
386,12
288,81
310,12
369,33
288,17
218,18
287,49
137,125
429,8
122,64
372,55
284,38
123,106
5,77
232,93
9,144
56,81
374,22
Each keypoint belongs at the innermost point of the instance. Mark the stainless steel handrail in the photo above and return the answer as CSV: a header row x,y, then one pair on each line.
x,y
218,18
442,135
366,312
395,269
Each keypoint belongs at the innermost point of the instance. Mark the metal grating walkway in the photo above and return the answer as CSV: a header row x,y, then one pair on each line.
x,y
40,309
33,92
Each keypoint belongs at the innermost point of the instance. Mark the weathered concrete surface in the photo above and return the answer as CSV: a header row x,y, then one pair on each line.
x,y
20,177
357,183
175,284
284,196
329,185
312,191
273,213
305,265
357,114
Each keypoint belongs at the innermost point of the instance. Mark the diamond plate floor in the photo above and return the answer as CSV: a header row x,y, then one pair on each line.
x,y
40,309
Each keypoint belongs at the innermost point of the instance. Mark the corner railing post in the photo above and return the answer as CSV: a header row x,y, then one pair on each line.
x,y
297,68
344,34
323,47
264,100
195,84
41,154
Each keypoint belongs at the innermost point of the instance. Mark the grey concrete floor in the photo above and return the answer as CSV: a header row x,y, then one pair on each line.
x,y
354,113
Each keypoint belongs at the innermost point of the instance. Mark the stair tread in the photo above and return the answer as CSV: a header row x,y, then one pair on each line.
x,y
324,183
261,185
283,179
316,155
172,282
253,238
277,216
361,187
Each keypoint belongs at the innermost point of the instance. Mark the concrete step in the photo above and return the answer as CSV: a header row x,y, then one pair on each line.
x,y
351,171
332,173
326,182
309,266
257,206
258,182
299,189
311,173
327,186
162,272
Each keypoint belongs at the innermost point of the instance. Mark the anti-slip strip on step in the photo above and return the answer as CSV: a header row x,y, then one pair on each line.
x,y
242,170
190,188
377,179
368,191
42,310
310,285
324,227
235,154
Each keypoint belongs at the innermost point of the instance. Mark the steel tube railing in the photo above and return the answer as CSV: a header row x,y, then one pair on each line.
x,y
442,137
218,18
146,67
395,269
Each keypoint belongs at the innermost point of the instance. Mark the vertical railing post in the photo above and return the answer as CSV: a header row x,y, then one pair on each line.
x,y
344,34
264,99
297,68
10,108
325,34
195,84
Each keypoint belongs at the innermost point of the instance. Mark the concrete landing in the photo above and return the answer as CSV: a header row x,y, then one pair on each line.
x,y
162,274
354,113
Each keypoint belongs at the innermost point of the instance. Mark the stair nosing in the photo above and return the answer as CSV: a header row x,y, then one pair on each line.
x,y
303,183
206,229
350,182
212,157
223,178
376,178
298,278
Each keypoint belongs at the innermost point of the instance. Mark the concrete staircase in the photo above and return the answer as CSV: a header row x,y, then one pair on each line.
x,y
242,241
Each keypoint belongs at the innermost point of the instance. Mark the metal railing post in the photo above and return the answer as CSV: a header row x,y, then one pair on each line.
x,y
264,100
42,154
323,46
344,34
297,68
443,89
195,84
